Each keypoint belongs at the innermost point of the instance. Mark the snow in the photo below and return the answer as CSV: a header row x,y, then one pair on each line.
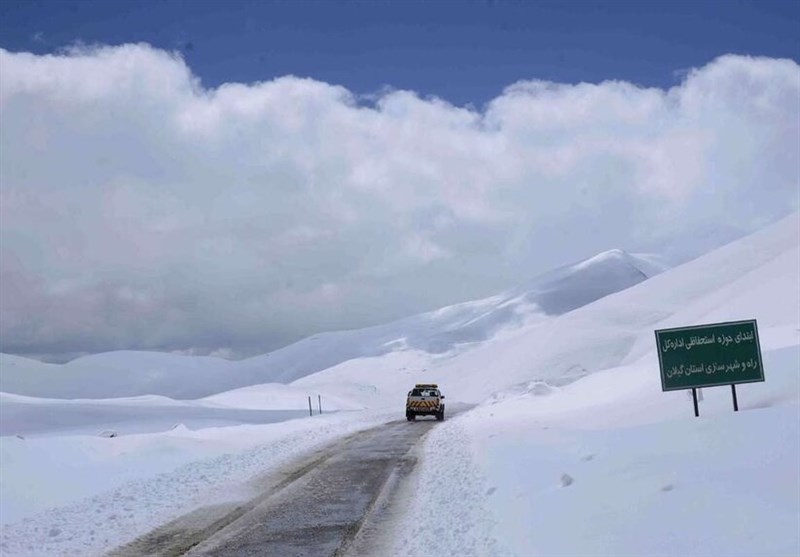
x,y
260,404
630,472
126,373
81,495
68,418
445,505
608,464
717,487
572,448
276,396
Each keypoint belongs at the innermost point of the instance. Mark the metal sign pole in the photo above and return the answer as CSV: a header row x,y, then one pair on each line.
x,y
310,412
319,401
735,402
694,399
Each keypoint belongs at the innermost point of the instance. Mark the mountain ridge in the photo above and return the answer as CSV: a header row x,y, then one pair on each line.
x,y
442,331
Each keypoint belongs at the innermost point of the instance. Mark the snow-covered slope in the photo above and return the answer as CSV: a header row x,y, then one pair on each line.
x,y
755,277
29,416
444,331
572,428
454,327
117,374
611,453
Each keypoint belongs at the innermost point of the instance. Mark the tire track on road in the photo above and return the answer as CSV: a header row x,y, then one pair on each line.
x,y
314,509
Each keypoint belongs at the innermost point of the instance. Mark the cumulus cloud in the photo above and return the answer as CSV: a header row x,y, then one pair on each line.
x,y
142,210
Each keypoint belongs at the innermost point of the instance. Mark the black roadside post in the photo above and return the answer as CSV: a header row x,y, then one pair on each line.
x,y
319,401
310,412
735,402
694,398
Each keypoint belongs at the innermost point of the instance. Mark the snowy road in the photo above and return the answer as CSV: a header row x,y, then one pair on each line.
x,y
314,508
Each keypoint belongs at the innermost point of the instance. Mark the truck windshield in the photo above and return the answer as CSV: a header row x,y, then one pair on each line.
x,y
424,392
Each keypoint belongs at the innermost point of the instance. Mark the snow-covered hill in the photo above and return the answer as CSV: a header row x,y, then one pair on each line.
x,y
755,277
28,416
444,331
610,451
571,428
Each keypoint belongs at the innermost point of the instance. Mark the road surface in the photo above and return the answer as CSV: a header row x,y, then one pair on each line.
x,y
315,508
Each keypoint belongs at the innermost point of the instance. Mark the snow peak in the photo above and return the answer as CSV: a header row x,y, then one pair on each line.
x,y
425,399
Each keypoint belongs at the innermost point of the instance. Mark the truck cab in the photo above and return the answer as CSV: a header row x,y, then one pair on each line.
x,y
425,399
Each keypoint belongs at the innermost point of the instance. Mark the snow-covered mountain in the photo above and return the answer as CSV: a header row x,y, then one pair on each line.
x,y
571,427
444,331
754,277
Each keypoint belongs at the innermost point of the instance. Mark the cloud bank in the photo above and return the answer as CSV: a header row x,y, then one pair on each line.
x,y
140,210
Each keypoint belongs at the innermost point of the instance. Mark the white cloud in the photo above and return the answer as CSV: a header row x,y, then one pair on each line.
x,y
141,210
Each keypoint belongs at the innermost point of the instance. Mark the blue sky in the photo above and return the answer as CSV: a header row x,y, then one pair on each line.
x,y
464,52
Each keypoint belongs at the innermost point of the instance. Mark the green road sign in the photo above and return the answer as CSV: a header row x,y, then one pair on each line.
x,y
709,355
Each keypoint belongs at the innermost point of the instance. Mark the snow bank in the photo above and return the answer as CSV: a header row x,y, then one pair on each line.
x,y
22,415
276,396
607,464
86,495
640,474
610,465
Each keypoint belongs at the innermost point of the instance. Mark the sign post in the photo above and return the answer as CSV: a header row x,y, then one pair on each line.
x,y
709,356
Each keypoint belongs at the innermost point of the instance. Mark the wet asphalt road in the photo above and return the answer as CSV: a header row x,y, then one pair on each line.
x,y
314,510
